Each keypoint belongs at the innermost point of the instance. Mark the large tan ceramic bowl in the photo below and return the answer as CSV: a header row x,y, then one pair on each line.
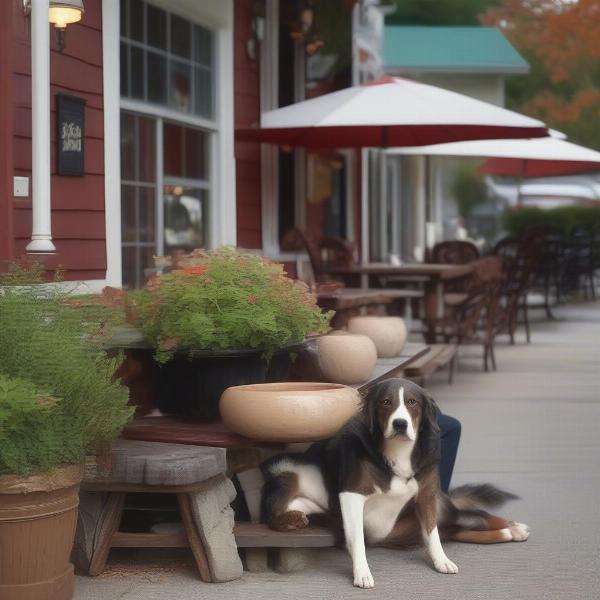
x,y
288,412
347,358
388,333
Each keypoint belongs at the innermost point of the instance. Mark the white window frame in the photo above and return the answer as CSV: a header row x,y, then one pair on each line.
x,y
216,15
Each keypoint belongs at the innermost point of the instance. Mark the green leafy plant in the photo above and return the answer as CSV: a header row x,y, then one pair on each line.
x,y
58,397
26,271
468,188
517,220
224,299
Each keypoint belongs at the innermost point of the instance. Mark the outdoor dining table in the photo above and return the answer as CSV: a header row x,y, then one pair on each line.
x,y
435,276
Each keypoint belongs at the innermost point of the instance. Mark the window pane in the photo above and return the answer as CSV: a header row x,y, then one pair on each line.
x,y
147,227
124,70
179,87
157,27
157,78
203,93
195,154
147,263
129,255
185,219
124,19
146,149
202,46
127,147
128,219
173,150
137,72
180,36
136,20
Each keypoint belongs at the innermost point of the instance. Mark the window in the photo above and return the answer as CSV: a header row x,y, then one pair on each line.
x,y
138,196
166,72
166,60
162,213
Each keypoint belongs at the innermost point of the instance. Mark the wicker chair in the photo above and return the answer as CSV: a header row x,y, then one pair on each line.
x,y
581,259
549,271
520,259
473,320
454,252
323,253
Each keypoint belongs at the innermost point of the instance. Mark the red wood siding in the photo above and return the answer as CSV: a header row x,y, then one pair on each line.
x,y
247,111
77,202
6,128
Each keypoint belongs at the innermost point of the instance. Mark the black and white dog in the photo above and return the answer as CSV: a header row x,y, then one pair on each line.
x,y
380,472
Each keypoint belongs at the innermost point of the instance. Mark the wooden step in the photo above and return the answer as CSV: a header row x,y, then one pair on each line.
x,y
438,356
255,535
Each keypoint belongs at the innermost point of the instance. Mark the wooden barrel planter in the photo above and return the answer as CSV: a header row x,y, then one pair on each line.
x,y
38,515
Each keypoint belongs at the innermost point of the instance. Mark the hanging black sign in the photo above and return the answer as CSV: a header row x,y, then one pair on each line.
x,y
70,111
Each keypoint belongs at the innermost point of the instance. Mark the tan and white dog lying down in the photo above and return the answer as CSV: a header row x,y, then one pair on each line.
x,y
380,474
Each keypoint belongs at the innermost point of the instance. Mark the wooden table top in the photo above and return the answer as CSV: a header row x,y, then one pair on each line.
x,y
345,298
433,270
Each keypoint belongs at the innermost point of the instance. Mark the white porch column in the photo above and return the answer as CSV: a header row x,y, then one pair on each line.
x,y
41,235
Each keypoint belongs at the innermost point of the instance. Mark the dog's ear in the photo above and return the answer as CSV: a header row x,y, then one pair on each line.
x,y
369,398
427,449
369,403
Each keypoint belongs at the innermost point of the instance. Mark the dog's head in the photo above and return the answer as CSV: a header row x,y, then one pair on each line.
x,y
398,408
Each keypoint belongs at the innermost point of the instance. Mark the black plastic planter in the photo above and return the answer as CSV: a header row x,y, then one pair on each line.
x,y
191,388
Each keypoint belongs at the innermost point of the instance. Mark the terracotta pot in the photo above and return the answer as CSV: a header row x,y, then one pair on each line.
x,y
288,412
388,333
347,358
38,515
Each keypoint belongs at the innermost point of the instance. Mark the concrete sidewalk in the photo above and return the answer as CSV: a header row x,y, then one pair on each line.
x,y
532,427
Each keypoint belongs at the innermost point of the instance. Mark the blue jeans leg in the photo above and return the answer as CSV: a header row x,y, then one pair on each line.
x,y
450,435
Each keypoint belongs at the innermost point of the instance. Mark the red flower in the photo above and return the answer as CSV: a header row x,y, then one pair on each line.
x,y
195,270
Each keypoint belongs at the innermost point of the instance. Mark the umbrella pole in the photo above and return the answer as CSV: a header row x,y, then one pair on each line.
x,y
364,213
520,182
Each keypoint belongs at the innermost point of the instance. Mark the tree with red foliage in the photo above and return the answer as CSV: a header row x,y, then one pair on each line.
x,y
561,41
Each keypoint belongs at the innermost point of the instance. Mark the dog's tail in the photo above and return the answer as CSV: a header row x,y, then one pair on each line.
x,y
464,506
476,497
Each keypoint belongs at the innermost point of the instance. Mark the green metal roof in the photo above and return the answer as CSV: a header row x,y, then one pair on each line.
x,y
409,49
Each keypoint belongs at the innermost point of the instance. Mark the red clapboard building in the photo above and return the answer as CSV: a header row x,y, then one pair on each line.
x,y
140,159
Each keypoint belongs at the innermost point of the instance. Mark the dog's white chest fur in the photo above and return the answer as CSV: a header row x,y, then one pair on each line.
x,y
382,509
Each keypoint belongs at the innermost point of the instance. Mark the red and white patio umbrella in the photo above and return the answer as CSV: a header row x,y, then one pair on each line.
x,y
386,113
518,158
521,157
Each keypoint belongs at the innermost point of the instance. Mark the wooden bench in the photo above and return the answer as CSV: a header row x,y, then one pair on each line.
x,y
436,357
194,475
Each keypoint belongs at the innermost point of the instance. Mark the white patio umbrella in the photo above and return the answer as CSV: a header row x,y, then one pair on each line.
x,y
386,113
518,157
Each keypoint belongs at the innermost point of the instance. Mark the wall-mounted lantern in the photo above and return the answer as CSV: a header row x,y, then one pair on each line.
x,y
60,13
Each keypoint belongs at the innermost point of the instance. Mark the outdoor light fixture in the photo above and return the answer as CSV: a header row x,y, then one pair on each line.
x,y
258,29
60,13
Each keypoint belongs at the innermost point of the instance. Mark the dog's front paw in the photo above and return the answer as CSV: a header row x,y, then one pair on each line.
x,y
445,565
364,579
519,531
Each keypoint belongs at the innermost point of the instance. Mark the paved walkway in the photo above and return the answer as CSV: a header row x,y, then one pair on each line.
x,y
533,427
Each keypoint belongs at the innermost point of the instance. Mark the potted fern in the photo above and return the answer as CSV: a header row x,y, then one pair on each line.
x,y
218,319
58,401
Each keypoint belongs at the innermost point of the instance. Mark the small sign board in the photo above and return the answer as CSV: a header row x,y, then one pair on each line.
x,y
70,138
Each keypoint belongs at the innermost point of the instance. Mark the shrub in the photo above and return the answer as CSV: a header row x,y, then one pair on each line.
x,y
224,299
57,394
517,220
469,189
26,271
